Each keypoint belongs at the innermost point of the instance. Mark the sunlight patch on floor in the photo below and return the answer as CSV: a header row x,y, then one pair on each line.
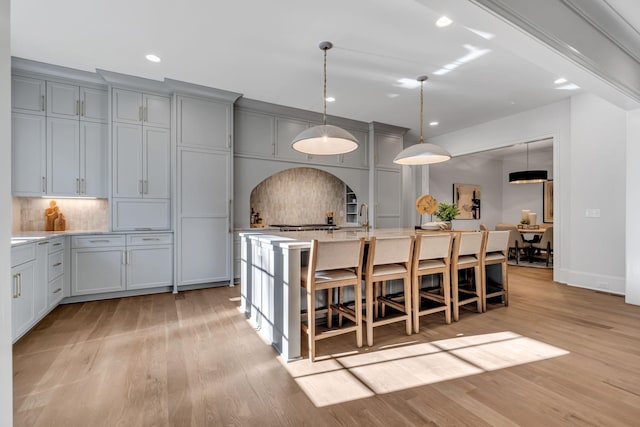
x,y
342,378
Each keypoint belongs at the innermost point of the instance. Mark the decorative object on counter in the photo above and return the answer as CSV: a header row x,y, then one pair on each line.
x,y
427,204
547,202
533,218
447,212
325,139
524,216
54,220
330,215
528,176
467,198
422,153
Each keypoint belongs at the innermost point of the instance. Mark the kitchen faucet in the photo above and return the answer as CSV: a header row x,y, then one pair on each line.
x,y
365,224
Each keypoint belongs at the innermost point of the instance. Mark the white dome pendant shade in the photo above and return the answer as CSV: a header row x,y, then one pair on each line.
x,y
422,153
325,140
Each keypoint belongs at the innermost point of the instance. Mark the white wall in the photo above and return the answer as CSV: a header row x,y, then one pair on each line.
x,y
516,197
6,374
473,169
598,180
632,293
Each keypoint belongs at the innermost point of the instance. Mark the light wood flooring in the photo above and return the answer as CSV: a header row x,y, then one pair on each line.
x,y
557,355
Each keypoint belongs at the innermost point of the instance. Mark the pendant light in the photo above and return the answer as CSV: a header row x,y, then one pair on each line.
x,y
527,176
325,139
422,153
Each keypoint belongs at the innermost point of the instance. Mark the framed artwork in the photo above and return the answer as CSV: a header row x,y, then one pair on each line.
x,y
467,198
547,201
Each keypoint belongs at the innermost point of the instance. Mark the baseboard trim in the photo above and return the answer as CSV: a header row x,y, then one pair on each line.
x,y
596,282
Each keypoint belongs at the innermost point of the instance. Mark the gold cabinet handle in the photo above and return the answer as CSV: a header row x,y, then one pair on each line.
x,y
83,110
15,286
57,290
140,113
57,264
42,103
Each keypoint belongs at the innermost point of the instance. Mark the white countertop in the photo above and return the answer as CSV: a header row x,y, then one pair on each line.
x,y
25,237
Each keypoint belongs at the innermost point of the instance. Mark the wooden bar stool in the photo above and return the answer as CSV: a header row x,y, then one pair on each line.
x,y
467,250
496,251
333,264
389,258
431,255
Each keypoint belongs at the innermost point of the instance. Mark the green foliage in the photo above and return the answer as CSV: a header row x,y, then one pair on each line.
x,y
524,221
447,212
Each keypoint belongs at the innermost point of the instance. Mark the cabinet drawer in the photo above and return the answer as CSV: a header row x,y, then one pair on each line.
x,y
23,253
97,241
55,291
56,264
56,244
149,239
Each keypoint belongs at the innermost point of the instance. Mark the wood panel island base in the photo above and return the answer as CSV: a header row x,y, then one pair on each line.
x,y
270,280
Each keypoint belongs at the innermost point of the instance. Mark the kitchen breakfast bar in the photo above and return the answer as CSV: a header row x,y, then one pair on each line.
x,y
270,280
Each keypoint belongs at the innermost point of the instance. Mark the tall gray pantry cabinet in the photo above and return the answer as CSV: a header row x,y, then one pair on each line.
x,y
204,188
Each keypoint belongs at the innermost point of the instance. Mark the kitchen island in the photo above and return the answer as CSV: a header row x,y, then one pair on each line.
x,y
270,280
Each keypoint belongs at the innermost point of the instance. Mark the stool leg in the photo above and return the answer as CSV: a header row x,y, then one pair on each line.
x,y
407,302
454,295
329,310
415,302
357,291
369,311
311,322
477,279
446,290
340,301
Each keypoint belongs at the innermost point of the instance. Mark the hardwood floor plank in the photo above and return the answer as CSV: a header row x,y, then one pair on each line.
x,y
195,361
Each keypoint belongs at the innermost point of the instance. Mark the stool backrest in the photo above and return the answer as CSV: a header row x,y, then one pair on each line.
x,y
390,250
497,241
433,246
469,244
332,255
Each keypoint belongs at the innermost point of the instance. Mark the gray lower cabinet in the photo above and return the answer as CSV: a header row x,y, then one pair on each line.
x,y
23,279
111,263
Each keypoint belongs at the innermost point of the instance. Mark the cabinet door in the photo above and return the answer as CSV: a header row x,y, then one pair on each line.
x,y
387,148
139,214
127,106
63,100
203,123
97,270
22,308
28,163
156,110
93,104
156,169
28,95
127,160
204,238
93,159
149,266
286,130
41,279
63,156
254,134
357,158
389,199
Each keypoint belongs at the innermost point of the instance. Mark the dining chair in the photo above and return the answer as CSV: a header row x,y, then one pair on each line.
x,y
388,258
544,245
333,264
517,243
467,250
495,251
431,256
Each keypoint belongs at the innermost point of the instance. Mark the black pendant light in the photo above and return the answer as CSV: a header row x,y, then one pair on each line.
x,y
528,176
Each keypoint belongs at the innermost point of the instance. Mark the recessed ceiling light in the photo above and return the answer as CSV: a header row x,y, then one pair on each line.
x,y
568,86
434,123
330,99
153,58
443,21
560,81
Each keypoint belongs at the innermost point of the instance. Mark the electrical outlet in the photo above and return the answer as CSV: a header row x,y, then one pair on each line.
x,y
592,213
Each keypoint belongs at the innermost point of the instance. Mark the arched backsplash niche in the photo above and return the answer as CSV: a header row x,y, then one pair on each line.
x,y
299,196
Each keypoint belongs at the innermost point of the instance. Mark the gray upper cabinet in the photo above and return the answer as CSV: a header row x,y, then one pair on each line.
x,y
254,133
28,155
141,108
28,95
387,147
68,101
204,123
63,157
286,130
357,158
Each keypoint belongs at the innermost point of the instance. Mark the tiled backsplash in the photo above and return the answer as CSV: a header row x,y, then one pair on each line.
x,y
81,214
299,196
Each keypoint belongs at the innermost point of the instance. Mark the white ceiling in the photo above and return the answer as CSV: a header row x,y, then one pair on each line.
x,y
269,51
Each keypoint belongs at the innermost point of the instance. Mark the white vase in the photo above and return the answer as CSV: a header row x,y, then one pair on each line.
x,y
532,218
524,214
